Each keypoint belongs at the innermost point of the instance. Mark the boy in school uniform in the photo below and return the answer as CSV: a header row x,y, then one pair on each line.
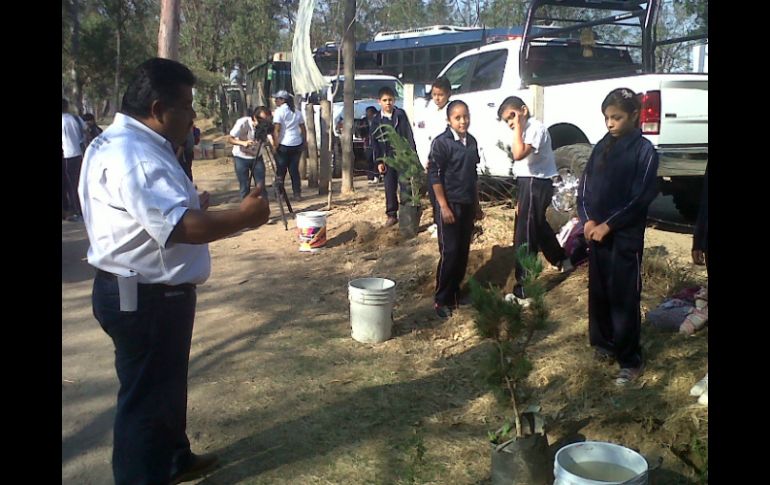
x,y
430,123
396,117
534,168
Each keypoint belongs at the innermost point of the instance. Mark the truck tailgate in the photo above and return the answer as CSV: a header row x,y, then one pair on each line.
x,y
684,110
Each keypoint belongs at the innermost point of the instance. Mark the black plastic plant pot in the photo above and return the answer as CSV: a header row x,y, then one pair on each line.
x,y
409,219
522,461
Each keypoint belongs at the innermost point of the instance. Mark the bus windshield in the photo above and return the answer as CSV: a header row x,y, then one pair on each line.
x,y
368,88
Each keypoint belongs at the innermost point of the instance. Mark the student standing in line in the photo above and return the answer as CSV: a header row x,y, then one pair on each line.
x,y
432,123
534,168
615,192
452,174
396,117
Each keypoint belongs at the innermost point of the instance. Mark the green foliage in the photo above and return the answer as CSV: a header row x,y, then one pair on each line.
x,y
511,327
503,434
404,159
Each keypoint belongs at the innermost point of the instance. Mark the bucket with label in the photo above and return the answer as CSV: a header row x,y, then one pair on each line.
x,y
311,230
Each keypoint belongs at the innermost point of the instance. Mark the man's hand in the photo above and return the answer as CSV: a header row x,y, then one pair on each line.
x,y
698,257
204,199
447,216
255,207
600,232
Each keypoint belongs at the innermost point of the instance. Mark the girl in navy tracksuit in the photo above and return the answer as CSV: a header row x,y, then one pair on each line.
x,y
616,189
452,175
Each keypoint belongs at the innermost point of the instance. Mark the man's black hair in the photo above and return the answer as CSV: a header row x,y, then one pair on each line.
x,y
155,79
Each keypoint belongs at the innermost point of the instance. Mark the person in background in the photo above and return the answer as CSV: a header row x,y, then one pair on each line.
x,y
289,140
73,144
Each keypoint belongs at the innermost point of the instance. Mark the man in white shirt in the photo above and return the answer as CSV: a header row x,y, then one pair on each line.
x,y
148,231
245,153
72,142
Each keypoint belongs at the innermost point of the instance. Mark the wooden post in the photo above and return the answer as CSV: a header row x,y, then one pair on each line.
x,y
312,148
303,155
324,173
537,101
349,58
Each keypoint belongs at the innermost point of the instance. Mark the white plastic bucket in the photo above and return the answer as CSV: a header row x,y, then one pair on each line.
x,y
599,463
311,230
371,309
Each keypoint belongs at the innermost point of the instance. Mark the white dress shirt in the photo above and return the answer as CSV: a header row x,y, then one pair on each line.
x,y
133,192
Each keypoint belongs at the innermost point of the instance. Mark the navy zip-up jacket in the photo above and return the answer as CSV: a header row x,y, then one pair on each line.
x,y
400,122
453,165
619,190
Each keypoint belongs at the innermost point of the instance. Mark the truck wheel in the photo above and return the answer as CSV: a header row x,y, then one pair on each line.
x,y
570,162
687,204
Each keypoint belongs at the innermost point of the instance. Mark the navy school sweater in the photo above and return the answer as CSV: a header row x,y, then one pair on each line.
x,y
379,143
453,165
618,190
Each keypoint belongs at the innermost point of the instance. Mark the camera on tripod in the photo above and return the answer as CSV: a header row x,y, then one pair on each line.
x,y
262,129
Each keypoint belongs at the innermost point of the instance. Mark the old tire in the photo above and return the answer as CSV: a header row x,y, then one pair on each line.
x,y
570,162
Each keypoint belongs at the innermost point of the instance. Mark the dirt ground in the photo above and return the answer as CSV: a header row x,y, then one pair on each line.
x,y
279,389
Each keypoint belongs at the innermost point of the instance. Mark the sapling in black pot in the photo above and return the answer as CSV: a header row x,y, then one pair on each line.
x,y
520,449
410,173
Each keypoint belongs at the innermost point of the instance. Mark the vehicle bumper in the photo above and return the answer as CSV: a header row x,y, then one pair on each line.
x,y
682,161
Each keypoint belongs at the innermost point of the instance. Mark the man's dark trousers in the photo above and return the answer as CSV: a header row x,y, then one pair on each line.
x,y
152,350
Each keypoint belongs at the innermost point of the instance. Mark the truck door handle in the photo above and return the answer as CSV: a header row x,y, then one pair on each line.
x,y
491,105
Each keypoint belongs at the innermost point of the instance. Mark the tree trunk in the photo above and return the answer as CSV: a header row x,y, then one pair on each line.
x,y
348,59
168,33
119,26
324,174
312,148
77,83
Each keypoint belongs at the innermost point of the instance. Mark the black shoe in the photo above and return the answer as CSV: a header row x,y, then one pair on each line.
x,y
391,221
442,311
199,466
297,198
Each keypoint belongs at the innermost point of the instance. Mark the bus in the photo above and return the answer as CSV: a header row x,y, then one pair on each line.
x,y
266,79
415,55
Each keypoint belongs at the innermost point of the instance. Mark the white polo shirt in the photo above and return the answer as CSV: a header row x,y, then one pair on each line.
x,y
71,135
540,163
244,131
291,135
133,193
431,123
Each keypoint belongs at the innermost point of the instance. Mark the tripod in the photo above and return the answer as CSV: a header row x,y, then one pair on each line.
x,y
280,191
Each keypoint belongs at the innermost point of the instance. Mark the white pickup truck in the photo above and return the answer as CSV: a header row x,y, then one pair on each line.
x,y
366,88
564,81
